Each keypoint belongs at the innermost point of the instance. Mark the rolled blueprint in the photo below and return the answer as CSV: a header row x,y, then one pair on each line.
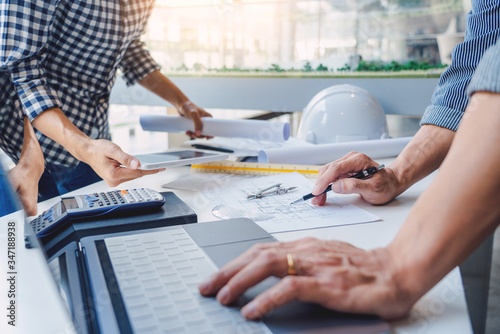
x,y
215,127
322,154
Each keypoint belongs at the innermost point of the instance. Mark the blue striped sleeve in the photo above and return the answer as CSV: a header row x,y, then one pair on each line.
x,y
487,76
450,97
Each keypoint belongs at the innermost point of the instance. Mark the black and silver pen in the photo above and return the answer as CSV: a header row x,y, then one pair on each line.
x,y
361,175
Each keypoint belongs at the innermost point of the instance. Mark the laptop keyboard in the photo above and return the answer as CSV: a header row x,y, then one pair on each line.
x,y
158,274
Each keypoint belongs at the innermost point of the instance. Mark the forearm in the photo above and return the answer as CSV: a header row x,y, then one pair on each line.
x,y
460,208
30,144
164,88
423,155
55,125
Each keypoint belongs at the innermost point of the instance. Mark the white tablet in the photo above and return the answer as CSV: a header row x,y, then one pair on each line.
x,y
177,158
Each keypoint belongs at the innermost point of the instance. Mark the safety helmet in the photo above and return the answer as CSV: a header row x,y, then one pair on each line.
x,y
342,113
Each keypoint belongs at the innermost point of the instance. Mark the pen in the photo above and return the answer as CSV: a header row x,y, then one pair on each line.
x,y
361,175
212,148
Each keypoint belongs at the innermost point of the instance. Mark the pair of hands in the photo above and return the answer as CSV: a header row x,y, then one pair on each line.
x,y
333,274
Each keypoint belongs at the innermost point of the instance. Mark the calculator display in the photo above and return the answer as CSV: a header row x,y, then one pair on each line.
x,y
69,203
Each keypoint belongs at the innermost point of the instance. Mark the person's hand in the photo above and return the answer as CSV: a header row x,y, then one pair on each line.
x,y
333,274
380,188
192,111
25,176
106,159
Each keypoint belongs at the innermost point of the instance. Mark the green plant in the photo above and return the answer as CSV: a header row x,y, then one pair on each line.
x,y
321,68
307,67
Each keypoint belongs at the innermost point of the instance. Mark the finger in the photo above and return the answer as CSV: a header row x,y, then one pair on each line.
x,y
198,124
123,175
287,290
350,186
272,262
350,164
215,282
116,153
319,200
329,174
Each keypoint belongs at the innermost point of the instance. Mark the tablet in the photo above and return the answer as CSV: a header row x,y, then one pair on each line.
x,y
177,158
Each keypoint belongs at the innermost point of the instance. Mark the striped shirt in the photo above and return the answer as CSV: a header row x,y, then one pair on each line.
x,y
475,66
66,54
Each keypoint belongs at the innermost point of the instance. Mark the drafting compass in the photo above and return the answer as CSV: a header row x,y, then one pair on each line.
x,y
276,189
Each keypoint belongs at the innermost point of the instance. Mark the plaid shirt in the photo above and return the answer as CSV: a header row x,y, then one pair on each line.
x,y
66,54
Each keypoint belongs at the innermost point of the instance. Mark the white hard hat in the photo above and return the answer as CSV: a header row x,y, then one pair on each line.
x,y
342,113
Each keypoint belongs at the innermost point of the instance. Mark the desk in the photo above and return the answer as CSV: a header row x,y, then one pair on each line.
x,y
441,310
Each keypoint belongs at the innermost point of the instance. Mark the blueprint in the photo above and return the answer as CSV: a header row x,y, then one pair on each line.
x,y
274,213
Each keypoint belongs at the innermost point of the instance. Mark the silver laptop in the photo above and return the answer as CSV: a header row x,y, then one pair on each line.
x,y
146,282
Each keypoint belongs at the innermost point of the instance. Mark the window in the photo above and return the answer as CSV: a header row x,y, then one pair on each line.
x,y
204,35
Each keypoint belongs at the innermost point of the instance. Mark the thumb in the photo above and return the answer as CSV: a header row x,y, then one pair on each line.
x,y
123,158
348,186
198,124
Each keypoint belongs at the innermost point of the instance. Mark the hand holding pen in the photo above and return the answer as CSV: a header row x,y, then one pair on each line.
x,y
361,175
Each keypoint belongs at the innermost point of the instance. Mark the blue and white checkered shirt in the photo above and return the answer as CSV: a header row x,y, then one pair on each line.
x,y
66,54
469,60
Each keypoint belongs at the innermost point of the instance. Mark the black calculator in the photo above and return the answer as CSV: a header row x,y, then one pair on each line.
x,y
95,205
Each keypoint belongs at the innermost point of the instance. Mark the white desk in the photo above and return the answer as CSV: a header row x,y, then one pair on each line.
x,y
442,310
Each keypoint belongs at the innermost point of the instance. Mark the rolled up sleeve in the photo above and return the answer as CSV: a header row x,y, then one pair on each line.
x,y
487,76
137,63
24,33
450,98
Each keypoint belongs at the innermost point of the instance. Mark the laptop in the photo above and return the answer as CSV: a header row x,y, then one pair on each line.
x,y
146,282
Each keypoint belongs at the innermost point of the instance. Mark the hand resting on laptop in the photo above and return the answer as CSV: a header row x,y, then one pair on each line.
x,y
331,273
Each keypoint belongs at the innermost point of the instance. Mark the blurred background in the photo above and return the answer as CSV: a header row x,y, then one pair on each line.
x,y
203,35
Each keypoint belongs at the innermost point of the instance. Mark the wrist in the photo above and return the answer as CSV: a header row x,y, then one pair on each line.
x,y
80,146
400,278
401,178
413,268
184,107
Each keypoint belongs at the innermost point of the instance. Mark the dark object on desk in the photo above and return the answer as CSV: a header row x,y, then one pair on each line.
x,y
212,148
173,212
96,206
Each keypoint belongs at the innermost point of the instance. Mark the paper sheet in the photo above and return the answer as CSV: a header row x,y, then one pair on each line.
x,y
322,154
212,127
244,147
274,213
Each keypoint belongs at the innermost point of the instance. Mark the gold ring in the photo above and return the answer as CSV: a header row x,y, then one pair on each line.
x,y
291,265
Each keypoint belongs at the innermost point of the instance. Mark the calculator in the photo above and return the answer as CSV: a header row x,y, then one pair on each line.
x,y
96,205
